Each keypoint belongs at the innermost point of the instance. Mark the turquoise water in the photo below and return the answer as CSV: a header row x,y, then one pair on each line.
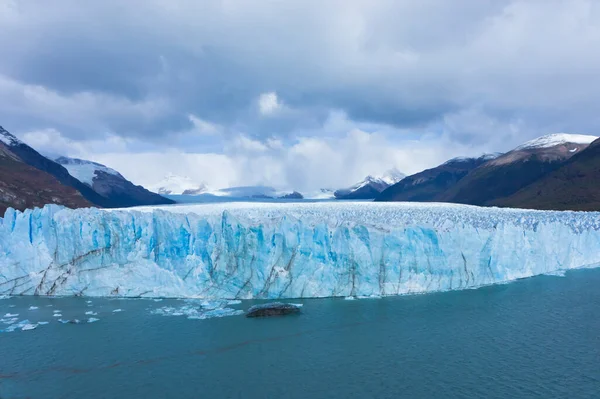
x,y
537,338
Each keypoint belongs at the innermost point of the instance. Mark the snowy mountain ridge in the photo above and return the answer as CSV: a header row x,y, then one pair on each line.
x,y
83,170
7,138
551,140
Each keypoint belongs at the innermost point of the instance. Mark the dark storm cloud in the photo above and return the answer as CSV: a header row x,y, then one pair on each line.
x,y
145,66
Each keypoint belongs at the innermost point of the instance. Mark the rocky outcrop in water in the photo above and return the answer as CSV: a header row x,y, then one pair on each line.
x,y
272,309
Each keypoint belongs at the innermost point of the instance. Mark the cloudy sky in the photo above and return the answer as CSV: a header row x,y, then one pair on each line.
x,y
296,94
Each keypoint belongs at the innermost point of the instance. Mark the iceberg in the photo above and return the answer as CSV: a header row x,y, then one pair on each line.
x,y
255,250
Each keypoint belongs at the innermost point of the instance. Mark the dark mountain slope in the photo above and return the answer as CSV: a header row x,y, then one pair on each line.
x,y
34,159
509,173
573,186
427,186
22,186
110,184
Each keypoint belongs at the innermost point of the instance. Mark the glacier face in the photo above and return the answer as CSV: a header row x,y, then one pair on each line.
x,y
286,250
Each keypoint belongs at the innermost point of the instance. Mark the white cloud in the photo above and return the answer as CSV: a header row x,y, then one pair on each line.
x,y
52,143
87,112
269,104
203,127
306,163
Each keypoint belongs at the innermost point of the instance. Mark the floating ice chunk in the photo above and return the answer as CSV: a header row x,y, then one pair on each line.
x,y
9,315
43,323
157,300
194,311
90,313
349,298
298,305
216,313
88,301
33,308
234,302
28,327
57,315
557,273
118,310
4,296
56,311
92,320
63,321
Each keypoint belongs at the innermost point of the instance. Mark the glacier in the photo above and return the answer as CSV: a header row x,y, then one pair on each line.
x,y
286,250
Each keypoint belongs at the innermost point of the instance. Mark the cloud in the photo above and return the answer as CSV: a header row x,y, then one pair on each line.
x,y
204,127
224,77
268,103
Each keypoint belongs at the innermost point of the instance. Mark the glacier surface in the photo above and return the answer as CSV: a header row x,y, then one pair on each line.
x,y
286,250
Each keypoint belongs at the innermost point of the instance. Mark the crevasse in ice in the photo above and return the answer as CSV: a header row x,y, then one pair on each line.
x,y
269,250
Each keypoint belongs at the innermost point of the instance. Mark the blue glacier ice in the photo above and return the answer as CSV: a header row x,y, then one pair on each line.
x,y
286,250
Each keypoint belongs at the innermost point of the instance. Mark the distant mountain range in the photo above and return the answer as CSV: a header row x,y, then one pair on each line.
x,y
29,179
371,187
557,171
368,188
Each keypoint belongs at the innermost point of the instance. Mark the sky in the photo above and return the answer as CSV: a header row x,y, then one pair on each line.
x,y
294,94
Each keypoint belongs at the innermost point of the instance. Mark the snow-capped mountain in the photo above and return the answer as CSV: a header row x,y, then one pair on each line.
x,y
552,140
183,185
173,184
85,171
392,176
371,186
23,186
505,175
34,159
109,183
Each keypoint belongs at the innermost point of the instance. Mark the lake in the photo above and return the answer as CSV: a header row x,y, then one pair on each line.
x,y
538,338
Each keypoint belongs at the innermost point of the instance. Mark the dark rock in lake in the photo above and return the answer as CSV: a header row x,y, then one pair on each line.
x,y
272,309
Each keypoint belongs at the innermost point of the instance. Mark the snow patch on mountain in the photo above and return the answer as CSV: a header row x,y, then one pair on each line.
x,y
392,176
485,157
555,139
8,138
84,171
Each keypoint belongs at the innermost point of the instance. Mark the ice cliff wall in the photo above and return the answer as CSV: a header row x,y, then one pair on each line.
x,y
286,250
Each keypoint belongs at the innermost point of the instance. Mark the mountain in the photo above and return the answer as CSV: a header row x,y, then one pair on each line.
x,y
573,186
505,175
110,184
101,186
430,184
370,187
34,159
173,184
22,186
